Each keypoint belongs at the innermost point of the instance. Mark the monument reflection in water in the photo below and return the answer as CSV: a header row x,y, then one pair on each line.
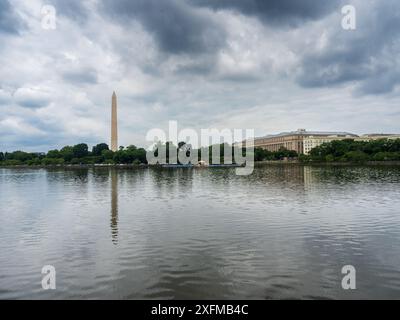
x,y
114,205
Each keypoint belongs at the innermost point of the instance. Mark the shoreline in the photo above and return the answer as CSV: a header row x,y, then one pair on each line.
x,y
297,162
256,164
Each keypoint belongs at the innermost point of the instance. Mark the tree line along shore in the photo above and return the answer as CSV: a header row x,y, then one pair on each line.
x,y
340,151
80,155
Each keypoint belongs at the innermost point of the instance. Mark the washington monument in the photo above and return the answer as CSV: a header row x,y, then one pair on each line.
x,y
114,124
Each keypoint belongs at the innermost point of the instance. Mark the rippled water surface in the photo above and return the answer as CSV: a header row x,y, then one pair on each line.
x,y
283,232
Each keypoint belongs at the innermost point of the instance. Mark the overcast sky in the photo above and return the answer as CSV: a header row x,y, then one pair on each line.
x,y
269,65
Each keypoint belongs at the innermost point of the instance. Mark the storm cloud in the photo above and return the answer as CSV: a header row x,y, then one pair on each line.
x,y
9,21
367,56
277,12
85,76
75,10
177,27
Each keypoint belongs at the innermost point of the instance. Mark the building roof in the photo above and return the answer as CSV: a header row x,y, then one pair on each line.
x,y
303,132
380,135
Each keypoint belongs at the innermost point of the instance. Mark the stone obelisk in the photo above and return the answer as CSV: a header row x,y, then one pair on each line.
x,y
114,124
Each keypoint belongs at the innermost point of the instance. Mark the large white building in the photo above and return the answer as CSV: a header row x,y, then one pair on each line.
x,y
295,140
312,142
303,141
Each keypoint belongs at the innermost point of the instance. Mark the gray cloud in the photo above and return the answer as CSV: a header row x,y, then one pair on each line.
x,y
9,21
32,98
367,56
73,9
85,76
176,26
276,12
28,103
5,97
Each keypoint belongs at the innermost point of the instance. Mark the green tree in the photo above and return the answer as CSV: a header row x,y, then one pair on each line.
x,y
67,153
382,156
357,151
262,154
329,158
107,154
34,162
98,149
54,154
52,161
20,156
80,150
356,156
12,162
131,148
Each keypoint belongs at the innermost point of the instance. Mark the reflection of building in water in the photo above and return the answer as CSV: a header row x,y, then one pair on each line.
x,y
306,176
290,173
310,179
114,206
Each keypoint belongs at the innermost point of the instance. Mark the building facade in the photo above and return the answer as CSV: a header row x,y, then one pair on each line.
x,y
312,142
301,141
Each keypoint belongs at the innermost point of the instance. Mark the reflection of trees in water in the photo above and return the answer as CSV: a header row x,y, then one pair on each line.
x,y
171,181
347,174
101,176
133,177
79,175
278,174
114,206
75,180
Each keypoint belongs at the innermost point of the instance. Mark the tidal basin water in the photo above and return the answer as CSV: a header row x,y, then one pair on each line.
x,y
284,232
